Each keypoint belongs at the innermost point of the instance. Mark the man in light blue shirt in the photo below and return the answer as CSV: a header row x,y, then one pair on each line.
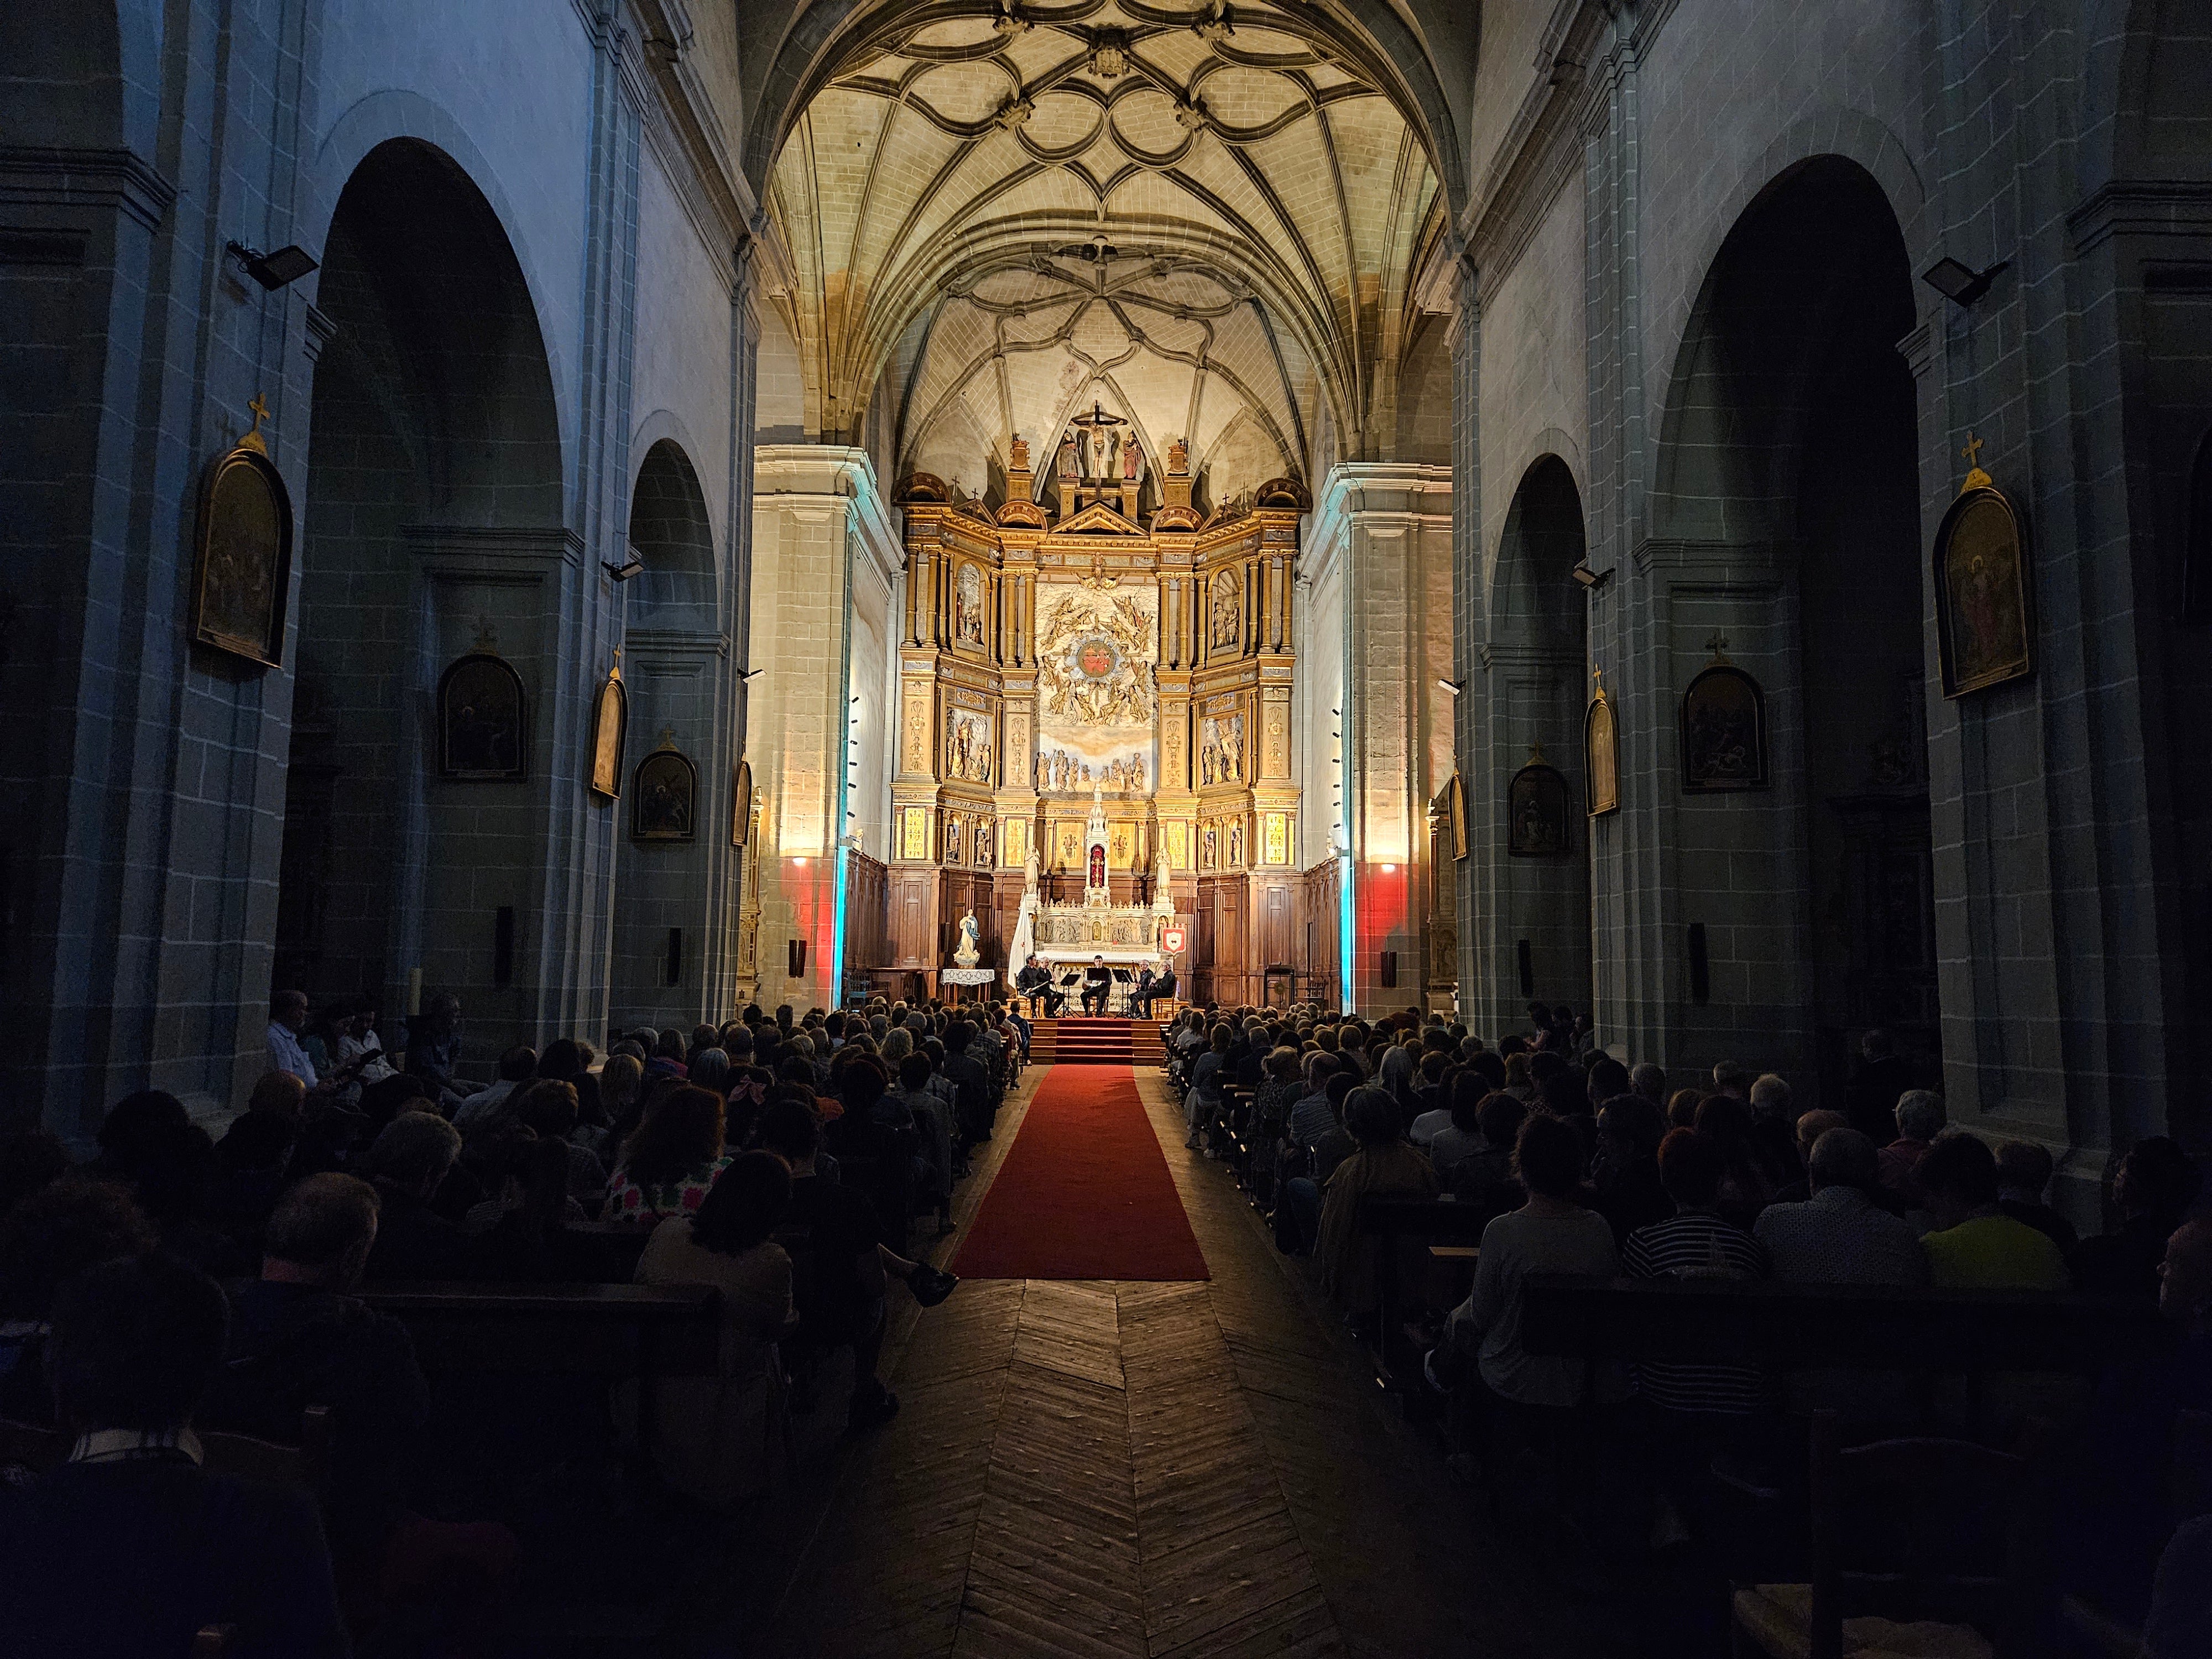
x,y
287,1017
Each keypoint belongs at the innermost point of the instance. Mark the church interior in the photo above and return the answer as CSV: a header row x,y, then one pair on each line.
x,y
1165,828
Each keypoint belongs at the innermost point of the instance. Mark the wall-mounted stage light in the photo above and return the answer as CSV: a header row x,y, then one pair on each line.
x,y
1453,686
633,566
273,270
749,675
1961,284
1593,579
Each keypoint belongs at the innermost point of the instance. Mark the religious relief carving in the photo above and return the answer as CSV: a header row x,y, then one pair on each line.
x,y
1235,844
1278,761
1226,610
914,838
1221,751
968,747
1091,665
1278,834
1061,773
968,606
1178,845
917,730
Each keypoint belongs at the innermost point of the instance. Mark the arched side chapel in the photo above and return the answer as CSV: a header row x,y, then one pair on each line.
x,y
1517,342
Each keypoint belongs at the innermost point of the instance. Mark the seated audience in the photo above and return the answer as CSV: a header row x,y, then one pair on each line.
x,y
708,1441
2023,1176
2121,1502
131,1547
2152,1190
839,1263
1276,1098
433,1048
1625,1171
1460,1137
1883,1079
1774,1131
1551,1233
1974,1244
1810,1127
1484,1180
71,1223
516,1067
547,1108
407,1164
1694,1242
1919,1120
1386,1164
670,1162
1841,1235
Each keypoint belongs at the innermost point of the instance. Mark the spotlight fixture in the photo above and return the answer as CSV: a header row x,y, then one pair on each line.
x,y
1961,284
1593,579
273,270
749,675
633,566
1453,686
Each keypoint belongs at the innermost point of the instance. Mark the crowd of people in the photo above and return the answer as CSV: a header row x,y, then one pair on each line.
x,y
175,1283
1574,1162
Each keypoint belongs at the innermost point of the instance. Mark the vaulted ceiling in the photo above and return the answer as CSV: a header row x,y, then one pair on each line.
x,y
1208,218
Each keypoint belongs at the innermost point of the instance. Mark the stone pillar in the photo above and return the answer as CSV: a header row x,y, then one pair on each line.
x,y
824,590
1381,547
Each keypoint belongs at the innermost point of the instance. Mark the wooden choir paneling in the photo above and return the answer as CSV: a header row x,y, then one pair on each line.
x,y
1317,956
868,915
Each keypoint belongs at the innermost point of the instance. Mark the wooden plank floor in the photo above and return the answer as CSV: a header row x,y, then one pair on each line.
x,y
1099,1469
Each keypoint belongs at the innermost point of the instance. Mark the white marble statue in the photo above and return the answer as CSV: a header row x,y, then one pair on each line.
x,y
967,956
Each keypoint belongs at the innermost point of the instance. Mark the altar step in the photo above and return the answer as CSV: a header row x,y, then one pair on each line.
x,y
1090,1041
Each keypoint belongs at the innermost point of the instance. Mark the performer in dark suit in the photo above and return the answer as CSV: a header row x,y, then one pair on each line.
x,y
1140,994
1098,985
1035,982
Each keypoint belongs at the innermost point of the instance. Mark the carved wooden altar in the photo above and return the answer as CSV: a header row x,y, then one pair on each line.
x,y
1105,683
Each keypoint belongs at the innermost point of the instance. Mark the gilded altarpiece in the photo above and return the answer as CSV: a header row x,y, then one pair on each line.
x,y
1121,654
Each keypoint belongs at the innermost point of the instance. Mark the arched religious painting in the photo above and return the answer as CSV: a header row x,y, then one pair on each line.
x,y
665,798
1985,613
1724,730
1602,753
481,731
1539,808
242,561
610,723
1226,610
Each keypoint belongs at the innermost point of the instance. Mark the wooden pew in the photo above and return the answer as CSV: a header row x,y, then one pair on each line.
x,y
1809,1326
1396,1222
612,1331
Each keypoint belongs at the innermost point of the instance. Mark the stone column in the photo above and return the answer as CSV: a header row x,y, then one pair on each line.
x,y
824,582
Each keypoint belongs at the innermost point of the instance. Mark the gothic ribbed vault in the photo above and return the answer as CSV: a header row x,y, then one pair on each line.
x,y
1212,220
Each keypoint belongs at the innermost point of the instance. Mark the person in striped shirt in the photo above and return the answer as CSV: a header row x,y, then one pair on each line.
x,y
1694,1242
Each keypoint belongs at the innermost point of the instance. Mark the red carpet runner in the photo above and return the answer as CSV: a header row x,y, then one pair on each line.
x,y
1085,1193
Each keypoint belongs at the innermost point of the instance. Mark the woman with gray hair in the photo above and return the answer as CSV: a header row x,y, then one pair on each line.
x,y
1920,1119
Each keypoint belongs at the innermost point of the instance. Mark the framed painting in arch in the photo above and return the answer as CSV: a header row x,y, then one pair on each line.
x,y
481,727
1723,731
741,803
242,554
1455,805
609,722
1539,808
1601,755
664,795
1985,606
